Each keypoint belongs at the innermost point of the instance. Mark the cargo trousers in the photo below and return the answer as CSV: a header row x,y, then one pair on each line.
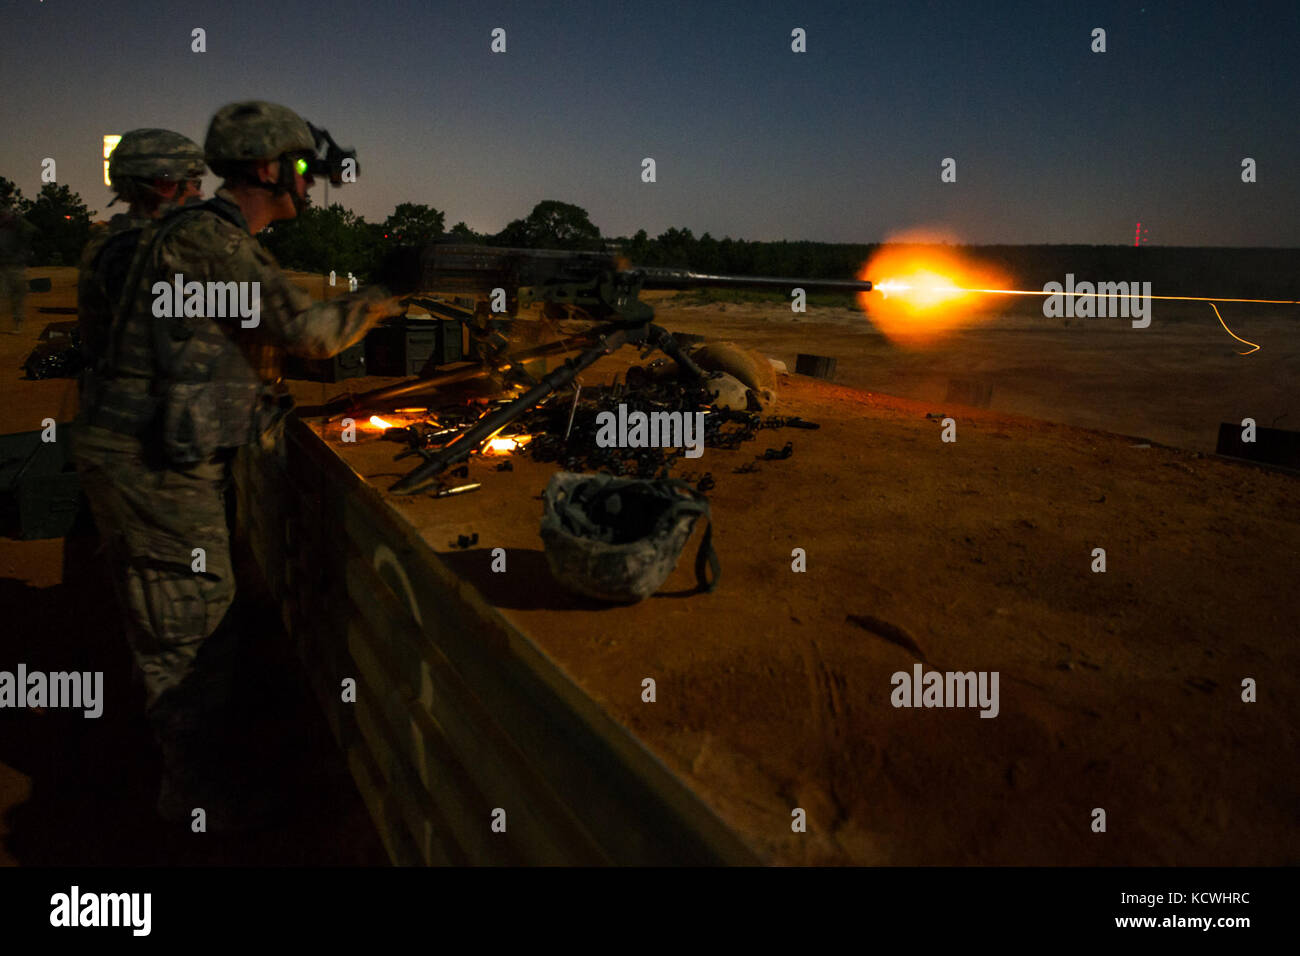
x,y
168,544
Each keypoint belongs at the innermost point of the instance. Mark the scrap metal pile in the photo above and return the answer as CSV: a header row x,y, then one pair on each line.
x,y
565,430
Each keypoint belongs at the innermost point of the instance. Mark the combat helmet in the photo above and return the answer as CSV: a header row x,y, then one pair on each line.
x,y
155,154
618,539
252,130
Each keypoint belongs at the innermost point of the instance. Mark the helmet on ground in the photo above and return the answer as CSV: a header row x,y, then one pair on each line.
x,y
727,391
155,154
253,130
748,365
618,539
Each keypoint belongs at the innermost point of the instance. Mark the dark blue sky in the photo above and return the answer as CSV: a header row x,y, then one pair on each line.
x,y
843,143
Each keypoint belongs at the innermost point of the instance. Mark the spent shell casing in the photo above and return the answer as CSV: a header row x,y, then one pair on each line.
x,y
458,490
577,390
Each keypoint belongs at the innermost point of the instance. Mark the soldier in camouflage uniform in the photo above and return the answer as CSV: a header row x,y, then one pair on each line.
x,y
153,171
180,396
15,233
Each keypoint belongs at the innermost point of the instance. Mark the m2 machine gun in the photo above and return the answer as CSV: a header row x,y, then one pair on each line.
x,y
596,286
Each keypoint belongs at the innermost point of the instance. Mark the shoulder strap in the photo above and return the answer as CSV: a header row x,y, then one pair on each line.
x,y
126,294
223,208
106,267
706,558
109,253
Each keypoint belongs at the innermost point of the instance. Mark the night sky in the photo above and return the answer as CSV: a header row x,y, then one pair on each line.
x,y
843,143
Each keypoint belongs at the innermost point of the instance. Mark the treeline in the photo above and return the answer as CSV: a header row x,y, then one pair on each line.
x,y
333,238
324,239
60,219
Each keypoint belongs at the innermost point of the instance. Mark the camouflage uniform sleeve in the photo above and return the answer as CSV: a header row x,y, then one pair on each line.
x,y
288,317
312,330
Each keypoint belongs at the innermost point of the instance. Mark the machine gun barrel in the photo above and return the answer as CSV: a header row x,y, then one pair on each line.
x,y
659,278
446,267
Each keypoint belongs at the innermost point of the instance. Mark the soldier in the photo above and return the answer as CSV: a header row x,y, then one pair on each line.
x,y
15,233
153,171
180,395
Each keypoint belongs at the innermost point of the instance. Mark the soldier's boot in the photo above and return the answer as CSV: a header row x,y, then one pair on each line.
x,y
226,808
195,776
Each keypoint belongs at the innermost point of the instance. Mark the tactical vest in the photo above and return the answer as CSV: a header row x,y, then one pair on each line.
x,y
179,381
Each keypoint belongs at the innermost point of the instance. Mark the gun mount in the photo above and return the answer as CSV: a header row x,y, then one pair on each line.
x,y
599,286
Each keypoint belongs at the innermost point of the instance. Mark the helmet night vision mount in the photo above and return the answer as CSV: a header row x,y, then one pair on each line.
x,y
330,160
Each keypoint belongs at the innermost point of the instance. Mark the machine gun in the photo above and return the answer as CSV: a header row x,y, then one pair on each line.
x,y
593,285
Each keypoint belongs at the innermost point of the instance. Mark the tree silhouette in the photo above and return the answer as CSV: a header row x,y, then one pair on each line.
x,y
11,197
63,222
414,223
463,233
323,239
552,225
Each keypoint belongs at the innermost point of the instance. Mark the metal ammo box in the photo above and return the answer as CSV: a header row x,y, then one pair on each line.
x,y
39,490
350,363
412,344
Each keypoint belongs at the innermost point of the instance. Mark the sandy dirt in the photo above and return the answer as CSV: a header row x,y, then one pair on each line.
x,y
1119,691
1173,382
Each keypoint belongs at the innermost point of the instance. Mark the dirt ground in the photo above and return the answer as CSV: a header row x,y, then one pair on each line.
x,y
1172,382
1118,690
